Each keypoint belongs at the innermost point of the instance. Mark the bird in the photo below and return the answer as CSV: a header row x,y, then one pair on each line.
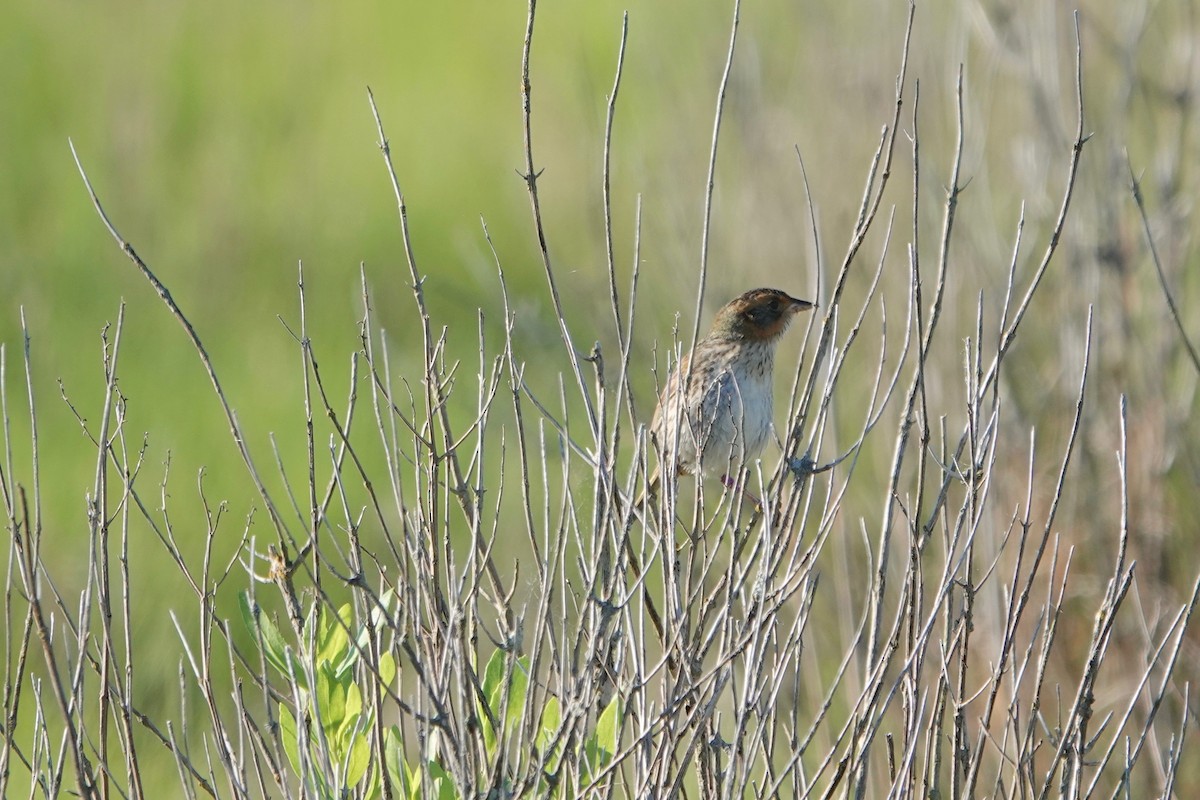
x,y
723,419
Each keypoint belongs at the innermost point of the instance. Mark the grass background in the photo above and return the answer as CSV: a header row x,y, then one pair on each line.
x,y
230,142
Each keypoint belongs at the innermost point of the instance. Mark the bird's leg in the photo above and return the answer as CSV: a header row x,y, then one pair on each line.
x,y
732,484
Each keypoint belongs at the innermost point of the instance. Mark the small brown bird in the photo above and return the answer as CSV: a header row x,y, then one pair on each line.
x,y
724,418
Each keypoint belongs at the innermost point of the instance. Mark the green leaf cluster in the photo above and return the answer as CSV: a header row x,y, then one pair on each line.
x,y
324,728
326,732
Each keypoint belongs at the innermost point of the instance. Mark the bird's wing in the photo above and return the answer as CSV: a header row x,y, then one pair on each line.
x,y
714,407
668,397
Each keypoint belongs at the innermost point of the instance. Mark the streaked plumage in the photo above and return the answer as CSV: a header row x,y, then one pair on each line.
x,y
728,407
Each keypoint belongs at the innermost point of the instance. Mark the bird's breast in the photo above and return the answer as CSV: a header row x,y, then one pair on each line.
x,y
735,420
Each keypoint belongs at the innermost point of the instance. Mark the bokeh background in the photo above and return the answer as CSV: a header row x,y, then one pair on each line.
x,y
231,142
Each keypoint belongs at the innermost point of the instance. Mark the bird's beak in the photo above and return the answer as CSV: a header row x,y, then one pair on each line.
x,y
799,305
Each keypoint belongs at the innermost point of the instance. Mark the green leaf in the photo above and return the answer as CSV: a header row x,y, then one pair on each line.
x,y
442,783
374,787
384,613
387,669
516,693
339,703
274,646
412,782
493,675
353,707
342,738
493,678
489,733
357,761
321,691
249,611
496,690
608,732
393,758
600,747
333,643
382,618
310,627
290,736
551,721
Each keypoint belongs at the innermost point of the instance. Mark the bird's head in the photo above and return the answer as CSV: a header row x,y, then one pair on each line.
x,y
757,315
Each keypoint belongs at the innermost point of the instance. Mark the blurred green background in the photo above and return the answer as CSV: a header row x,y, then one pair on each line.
x,y
229,142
